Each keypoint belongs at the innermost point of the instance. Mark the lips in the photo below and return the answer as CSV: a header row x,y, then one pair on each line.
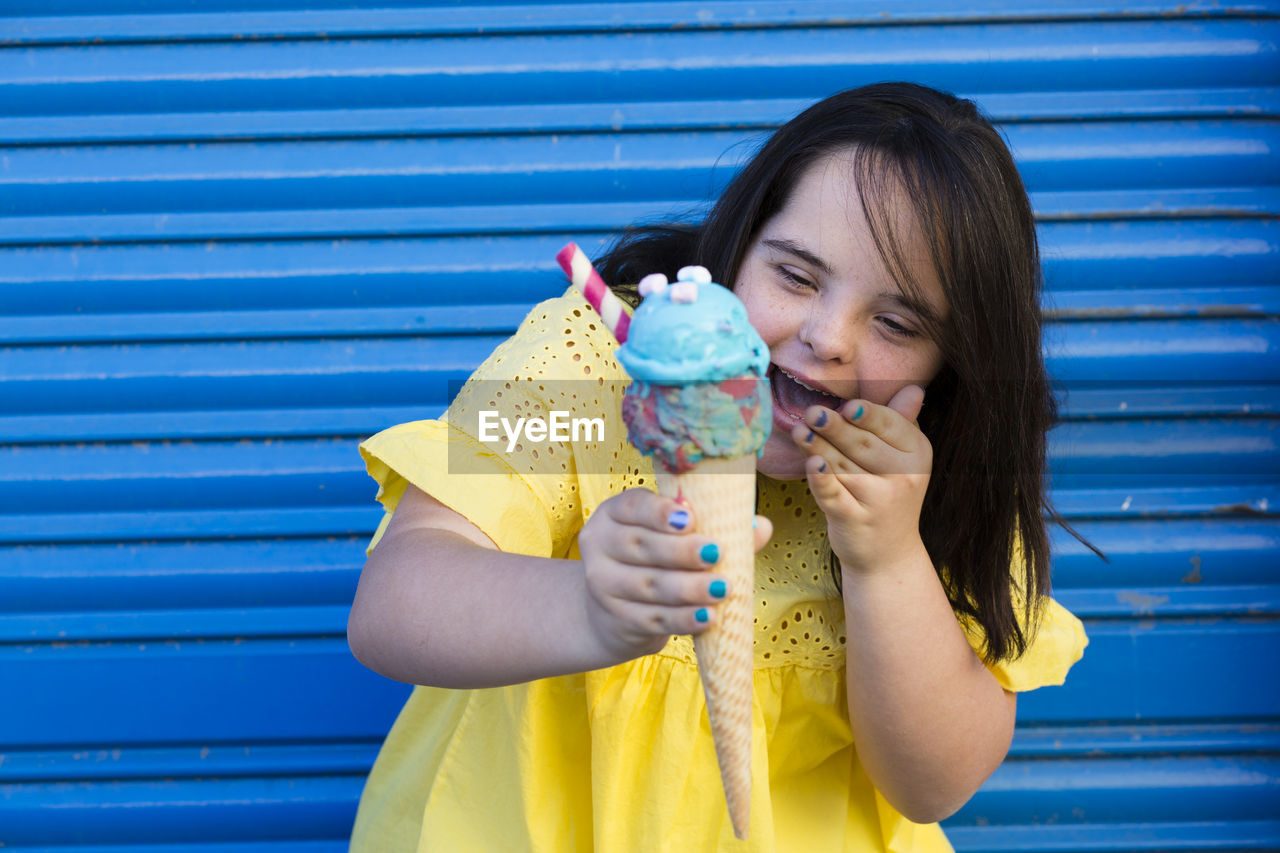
x,y
793,396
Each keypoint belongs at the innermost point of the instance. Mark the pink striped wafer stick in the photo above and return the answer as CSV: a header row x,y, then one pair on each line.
x,y
597,293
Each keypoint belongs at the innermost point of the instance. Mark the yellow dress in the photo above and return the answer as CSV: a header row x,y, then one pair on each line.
x,y
621,759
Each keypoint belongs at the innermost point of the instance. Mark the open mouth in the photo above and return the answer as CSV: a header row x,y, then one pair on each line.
x,y
792,397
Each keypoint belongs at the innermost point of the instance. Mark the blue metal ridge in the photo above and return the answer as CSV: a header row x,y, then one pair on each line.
x,y
192,691
231,575
610,117
1148,352
204,760
1161,303
1204,452
329,323
1183,566
581,218
324,621
1213,553
1174,400
1171,601
502,318
339,372
1210,554
1260,836
1120,205
311,621
309,758
1167,166
1150,788
1223,501
1170,261
141,812
1150,502
339,844
483,120
1186,447
1107,460
308,274
578,218
1121,739
701,65
307,373
301,422
155,525
554,18
1117,402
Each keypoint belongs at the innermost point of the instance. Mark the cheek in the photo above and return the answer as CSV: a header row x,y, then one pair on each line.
x,y
765,315
888,371
768,329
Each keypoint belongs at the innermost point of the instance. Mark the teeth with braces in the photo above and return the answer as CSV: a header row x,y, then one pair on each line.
x,y
803,385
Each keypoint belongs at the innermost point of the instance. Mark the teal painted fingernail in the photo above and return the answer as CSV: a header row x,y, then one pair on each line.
x,y
718,589
710,553
755,522
679,519
858,413
702,615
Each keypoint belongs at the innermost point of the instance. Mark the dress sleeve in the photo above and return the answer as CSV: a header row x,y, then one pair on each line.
x,y
1057,642
489,494
529,495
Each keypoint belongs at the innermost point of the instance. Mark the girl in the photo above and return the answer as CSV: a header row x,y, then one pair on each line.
x,y
884,247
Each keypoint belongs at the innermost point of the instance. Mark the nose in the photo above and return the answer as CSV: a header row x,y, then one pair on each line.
x,y
830,333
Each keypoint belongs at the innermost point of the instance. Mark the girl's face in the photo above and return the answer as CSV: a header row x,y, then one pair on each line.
x,y
836,323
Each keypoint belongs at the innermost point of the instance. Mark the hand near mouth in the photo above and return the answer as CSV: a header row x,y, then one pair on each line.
x,y
868,468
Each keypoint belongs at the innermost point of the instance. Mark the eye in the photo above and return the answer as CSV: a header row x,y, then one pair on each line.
x,y
897,329
792,278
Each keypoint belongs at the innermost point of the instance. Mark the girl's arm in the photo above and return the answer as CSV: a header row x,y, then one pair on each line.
x,y
439,604
930,721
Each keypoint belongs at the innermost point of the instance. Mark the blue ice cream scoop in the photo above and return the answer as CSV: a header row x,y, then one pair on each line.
x,y
693,330
699,369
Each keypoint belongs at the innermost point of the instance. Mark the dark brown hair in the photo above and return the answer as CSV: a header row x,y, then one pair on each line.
x,y
987,412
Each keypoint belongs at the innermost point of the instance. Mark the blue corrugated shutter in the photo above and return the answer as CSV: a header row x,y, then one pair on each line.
x,y
235,238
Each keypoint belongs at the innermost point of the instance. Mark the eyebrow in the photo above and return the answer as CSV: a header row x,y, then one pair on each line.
x,y
925,312
914,306
794,248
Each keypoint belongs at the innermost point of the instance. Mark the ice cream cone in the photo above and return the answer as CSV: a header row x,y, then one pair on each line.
x,y
700,405
721,493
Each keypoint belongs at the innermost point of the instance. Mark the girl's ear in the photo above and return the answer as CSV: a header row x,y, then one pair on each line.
x,y
908,402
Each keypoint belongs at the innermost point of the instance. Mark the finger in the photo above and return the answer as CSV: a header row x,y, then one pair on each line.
x,y
638,546
643,508
672,589
763,530
893,428
908,402
846,448
657,620
826,487
832,461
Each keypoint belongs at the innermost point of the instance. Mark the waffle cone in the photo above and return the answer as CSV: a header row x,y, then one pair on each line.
x,y
721,493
